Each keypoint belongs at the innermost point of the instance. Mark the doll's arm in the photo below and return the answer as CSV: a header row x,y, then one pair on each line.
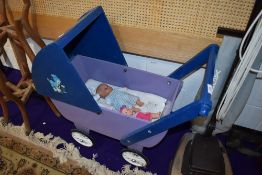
x,y
136,109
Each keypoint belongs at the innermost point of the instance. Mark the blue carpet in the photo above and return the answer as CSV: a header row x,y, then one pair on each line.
x,y
108,149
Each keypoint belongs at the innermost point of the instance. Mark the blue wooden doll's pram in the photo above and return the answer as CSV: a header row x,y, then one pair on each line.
x,y
89,50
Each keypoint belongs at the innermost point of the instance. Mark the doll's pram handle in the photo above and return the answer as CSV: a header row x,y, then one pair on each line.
x,y
200,107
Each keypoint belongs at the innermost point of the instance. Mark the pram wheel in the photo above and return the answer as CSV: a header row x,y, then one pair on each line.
x,y
135,158
82,138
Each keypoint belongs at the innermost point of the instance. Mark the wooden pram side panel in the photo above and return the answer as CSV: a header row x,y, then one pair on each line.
x,y
123,76
55,77
110,123
92,36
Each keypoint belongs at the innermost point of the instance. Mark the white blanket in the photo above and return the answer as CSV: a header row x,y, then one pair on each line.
x,y
152,103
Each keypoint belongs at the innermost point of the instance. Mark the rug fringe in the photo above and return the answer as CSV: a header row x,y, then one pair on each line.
x,y
64,151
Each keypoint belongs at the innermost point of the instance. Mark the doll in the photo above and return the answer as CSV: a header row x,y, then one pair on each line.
x,y
145,116
117,98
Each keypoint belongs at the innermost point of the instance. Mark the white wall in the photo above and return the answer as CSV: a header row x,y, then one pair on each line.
x,y
250,117
11,62
191,83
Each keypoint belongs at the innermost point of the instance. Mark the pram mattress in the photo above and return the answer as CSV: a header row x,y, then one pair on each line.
x,y
152,102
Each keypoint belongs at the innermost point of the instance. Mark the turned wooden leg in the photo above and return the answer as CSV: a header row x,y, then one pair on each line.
x,y
3,17
6,87
32,33
52,106
25,116
4,109
21,107
27,94
10,97
19,31
21,59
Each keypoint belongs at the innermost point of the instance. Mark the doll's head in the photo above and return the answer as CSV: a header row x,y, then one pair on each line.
x,y
126,111
103,90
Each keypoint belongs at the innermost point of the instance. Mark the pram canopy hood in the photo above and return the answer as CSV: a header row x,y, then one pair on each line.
x,y
92,36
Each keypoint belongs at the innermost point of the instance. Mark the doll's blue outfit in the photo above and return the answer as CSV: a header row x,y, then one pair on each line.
x,y
119,98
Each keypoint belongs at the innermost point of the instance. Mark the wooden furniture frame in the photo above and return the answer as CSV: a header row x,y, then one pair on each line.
x,y
20,92
8,95
3,17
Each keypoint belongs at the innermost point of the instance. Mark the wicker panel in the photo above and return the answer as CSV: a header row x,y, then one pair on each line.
x,y
190,17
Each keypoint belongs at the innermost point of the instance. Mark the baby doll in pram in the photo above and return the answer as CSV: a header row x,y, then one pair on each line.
x,y
124,102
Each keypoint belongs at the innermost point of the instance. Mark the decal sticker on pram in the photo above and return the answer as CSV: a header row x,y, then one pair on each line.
x,y
56,84
210,89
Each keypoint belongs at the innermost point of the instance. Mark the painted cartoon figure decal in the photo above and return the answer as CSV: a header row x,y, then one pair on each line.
x,y
56,84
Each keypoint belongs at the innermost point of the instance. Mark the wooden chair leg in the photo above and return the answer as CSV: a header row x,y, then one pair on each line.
x,y
6,91
27,94
19,31
10,97
25,116
5,110
22,109
32,33
52,106
3,17
21,59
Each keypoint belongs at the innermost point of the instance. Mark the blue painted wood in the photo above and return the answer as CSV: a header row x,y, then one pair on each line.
x,y
194,63
52,71
174,119
207,85
200,107
92,36
80,26
51,61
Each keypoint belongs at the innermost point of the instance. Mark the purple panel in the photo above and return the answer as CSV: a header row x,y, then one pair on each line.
x,y
112,123
109,123
123,76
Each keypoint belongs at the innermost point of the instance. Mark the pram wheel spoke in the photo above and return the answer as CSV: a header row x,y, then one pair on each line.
x,y
135,158
82,138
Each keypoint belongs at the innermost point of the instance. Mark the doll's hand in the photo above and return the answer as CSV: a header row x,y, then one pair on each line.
x,y
136,109
139,103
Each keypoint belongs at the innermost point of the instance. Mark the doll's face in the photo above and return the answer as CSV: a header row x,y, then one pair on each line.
x,y
104,90
127,111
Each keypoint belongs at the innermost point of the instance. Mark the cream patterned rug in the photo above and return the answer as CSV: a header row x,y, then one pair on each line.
x,y
12,162
39,154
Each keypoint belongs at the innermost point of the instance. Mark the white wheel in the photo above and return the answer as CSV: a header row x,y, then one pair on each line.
x,y
135,158
82,138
